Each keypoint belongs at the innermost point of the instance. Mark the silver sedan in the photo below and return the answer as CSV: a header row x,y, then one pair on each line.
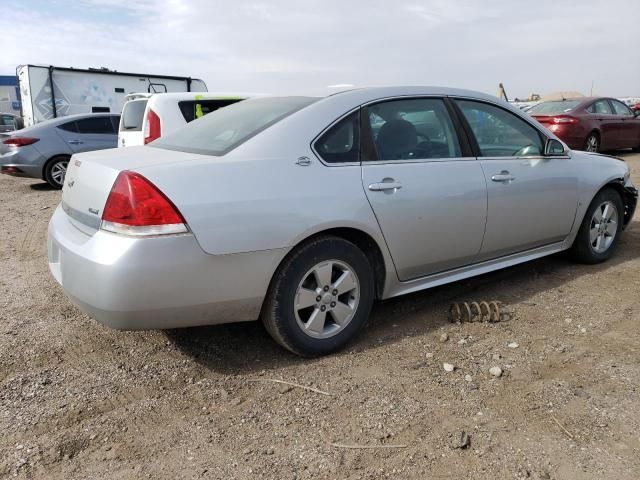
x,y
303,211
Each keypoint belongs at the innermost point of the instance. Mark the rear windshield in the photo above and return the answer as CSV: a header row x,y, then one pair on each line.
x,y
225,129
192,109
555,107
132,116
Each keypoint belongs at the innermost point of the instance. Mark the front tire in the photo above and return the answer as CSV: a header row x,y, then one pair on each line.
x,y
320,297
55,171
600,229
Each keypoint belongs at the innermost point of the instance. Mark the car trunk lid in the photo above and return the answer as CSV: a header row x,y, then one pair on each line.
x,y
90,177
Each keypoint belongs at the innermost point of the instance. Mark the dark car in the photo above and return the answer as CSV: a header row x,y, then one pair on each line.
x,y
591,124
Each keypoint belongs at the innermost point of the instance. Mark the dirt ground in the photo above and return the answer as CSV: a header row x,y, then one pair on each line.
x,y
78,400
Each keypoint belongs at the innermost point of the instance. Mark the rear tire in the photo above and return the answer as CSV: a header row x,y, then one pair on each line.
x,y
320,297
592,143
55,170
600,229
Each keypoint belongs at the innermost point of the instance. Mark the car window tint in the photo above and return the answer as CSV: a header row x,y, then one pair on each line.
x,y
418,128
341,143
68,127
192,109
500,133
601,107
132,115
101,124
7,120
115,121
621,108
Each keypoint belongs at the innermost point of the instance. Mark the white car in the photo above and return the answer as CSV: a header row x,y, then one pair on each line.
x,y
148,116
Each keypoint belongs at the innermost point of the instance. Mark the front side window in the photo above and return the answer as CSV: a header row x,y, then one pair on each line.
x,y
418,128
341,143
601,107
100,125
621,108
225,129
500,133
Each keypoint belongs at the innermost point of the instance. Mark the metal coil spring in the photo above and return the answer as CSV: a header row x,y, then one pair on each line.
x,y
475,312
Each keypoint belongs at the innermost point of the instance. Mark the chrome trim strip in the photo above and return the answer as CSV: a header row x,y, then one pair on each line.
x,y
92,221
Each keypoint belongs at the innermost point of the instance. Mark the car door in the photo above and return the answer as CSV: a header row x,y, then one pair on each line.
x,y
91,133
603,118
532,199
428,197
627,124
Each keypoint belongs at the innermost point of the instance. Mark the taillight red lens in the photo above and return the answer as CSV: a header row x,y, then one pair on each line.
x,y
153,130
565,119
20,141
136,207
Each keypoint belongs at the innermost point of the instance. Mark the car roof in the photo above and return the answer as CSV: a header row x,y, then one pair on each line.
x,y
190,95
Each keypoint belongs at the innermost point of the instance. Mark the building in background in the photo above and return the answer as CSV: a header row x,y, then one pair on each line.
x,y
9,94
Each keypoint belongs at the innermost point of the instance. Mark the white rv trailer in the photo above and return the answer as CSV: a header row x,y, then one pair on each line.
x,y
50,92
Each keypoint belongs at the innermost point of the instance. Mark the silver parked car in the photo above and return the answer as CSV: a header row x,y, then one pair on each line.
x,y
303,211
43,150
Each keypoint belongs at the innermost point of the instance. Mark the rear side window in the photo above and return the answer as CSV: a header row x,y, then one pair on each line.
x,y
69,127
101,124
418,128
132,116
192,109
341,143
621,108
500,133
601,106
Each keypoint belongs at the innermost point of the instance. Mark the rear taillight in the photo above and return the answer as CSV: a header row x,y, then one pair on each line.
x,y
153,130
565,119
135,206
20,141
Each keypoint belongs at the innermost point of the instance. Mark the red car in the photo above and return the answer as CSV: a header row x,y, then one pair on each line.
x,y
591,124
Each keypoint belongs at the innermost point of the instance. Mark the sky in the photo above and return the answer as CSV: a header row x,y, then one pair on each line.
x,y
304,46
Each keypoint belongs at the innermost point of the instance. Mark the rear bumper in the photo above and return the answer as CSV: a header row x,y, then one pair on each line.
x,y
25,161
156,283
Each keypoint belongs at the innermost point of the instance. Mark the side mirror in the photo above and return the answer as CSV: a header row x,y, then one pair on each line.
x,y
554,148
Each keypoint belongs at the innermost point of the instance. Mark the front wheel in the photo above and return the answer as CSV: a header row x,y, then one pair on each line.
x,y
55,171
320,297
600,229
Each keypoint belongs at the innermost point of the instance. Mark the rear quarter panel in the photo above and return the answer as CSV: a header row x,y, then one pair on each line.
x,y
237,205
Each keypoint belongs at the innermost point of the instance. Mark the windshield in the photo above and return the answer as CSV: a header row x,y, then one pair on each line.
x,y
555,107
223,130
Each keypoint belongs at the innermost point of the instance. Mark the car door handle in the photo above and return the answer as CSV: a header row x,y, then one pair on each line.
x,y
503,176
383,186
75,142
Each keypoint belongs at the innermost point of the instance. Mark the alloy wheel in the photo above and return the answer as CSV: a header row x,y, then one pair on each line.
x,y
592,143
604,227
327,299
58,171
